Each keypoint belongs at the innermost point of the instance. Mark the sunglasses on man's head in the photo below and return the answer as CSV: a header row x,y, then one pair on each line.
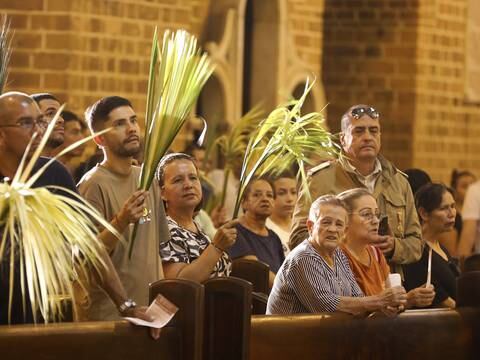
x,y
358,112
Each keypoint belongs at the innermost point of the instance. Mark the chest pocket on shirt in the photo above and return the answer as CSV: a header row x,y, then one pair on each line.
x,y
395,208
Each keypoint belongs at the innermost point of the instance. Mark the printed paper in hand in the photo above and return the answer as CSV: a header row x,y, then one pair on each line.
x,y
161,310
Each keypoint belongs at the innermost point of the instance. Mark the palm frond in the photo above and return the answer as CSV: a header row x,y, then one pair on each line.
x,y
285,137
234,144
5,51
48,237
178,71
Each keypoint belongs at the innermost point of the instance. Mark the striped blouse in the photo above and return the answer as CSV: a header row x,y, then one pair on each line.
x,y
305,283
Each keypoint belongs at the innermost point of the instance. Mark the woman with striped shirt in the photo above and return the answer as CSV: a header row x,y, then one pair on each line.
x,y
316,276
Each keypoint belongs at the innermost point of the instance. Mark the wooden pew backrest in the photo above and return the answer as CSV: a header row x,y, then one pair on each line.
x,y
228,302
414,335
253,271
188,296
87,340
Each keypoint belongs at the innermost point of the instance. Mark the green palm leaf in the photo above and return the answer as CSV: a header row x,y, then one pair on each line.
x,y
234,144
53,236
178,72
285,137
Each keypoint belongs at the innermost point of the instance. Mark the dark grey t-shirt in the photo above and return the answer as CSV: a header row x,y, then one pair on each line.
x,y
267,249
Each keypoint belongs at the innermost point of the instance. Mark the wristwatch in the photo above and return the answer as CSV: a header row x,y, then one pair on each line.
x,y
128,304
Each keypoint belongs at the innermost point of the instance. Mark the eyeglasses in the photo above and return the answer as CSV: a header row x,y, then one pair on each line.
x,y
358,112
29,124
368,215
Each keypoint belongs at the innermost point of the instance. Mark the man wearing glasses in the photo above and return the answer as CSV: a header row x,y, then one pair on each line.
x,y
20,119
363,167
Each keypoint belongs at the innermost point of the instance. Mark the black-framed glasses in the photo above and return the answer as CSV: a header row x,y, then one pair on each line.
x,y
368,215
29,124
358,112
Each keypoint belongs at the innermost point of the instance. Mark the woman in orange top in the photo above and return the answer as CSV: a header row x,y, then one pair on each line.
x,y
367,262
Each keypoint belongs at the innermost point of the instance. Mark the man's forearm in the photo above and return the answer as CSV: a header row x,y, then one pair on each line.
x,y
109,239
109,281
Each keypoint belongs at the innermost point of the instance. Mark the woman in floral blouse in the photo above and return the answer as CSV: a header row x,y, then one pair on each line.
x,y
189,253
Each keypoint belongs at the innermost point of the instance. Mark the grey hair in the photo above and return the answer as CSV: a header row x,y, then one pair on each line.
x,y
350,196
347,116
321,201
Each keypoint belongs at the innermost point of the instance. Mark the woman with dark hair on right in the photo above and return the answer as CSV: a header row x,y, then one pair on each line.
x,y
460,181
436,209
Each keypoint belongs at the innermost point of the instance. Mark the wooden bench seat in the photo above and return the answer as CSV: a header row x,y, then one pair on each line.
x,y
427,334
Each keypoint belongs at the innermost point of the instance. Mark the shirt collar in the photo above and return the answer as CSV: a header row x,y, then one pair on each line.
x,y
352,169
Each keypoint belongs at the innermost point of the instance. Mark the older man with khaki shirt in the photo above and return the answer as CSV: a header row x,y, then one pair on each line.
x,y
362,166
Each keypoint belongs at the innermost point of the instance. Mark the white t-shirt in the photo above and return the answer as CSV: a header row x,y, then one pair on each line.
x,y
282,234
471,209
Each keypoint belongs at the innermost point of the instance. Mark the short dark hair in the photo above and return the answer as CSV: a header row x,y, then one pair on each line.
x,y
417,178
97,113
192,147
168,159
429,196
43,96
350,196
247,190
272,178
284,174
71,116
457,174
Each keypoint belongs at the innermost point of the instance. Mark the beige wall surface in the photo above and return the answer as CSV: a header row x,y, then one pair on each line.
x,y
405,57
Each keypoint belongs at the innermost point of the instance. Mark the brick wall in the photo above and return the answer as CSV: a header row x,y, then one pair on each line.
x,y
85,49
305,20
405,57
447,127
369,48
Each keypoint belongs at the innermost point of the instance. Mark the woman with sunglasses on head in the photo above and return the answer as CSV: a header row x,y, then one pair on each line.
x,y
189,253
436,209
367,262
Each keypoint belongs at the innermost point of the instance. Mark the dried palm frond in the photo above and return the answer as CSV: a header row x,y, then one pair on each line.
x,y
47,236
178,71
5,51
285,137
234,144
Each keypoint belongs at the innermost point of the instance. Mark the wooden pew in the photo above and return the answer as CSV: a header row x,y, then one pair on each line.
x,y
87,340
420,334
111,340
254,271
472,263
188,296
228,304
257,273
